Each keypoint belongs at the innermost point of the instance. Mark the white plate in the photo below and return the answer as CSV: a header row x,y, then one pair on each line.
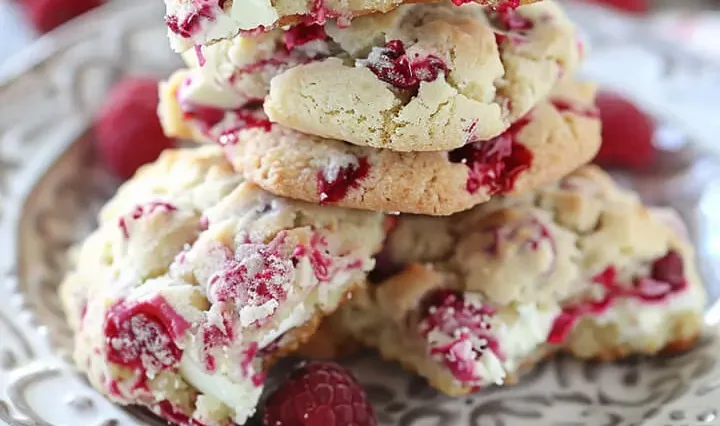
x,y
50,189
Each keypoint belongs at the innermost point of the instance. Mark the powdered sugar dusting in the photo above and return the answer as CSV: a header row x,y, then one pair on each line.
x,y
458,333
191,21
249,357
252,278
141,335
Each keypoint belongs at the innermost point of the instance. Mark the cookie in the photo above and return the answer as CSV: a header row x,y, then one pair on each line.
x,y
191,23
557,136
428,77
424,77
578,266
195,280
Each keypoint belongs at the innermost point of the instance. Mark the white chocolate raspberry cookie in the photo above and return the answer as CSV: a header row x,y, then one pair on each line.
x,y
424,77
428,77
200,22
579,266
195,279
556,137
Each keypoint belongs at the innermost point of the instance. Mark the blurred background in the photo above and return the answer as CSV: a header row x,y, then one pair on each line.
x,y
693,23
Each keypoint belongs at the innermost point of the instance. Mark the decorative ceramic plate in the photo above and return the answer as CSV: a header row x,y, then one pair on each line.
x,y
51,188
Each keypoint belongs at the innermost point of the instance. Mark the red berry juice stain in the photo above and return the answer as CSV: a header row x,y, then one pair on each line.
x,y
208,116
510,22
347,178
392,65
242,120
666,278
141,334
214,336
508,19
209,119
199,55
254,275
494,164
319,14
319,257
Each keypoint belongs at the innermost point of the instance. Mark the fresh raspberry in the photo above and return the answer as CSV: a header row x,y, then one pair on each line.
x,y
633,6
127,130
319,394
45,15
627,133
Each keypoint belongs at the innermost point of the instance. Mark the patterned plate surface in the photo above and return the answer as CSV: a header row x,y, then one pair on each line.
x,y
51,187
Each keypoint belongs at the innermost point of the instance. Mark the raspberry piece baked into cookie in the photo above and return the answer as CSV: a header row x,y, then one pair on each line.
x,y
556,137
196,280
199,22
424,77
579,266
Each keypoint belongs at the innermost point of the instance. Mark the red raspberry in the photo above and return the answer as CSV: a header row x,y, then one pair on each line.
x,y
634,6
627,133
127,129
319,394
45,15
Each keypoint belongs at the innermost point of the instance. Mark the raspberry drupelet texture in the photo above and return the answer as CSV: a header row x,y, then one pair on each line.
x,y
319,394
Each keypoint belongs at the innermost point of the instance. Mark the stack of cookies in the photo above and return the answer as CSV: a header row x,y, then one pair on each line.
x,y
412,176
431,108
